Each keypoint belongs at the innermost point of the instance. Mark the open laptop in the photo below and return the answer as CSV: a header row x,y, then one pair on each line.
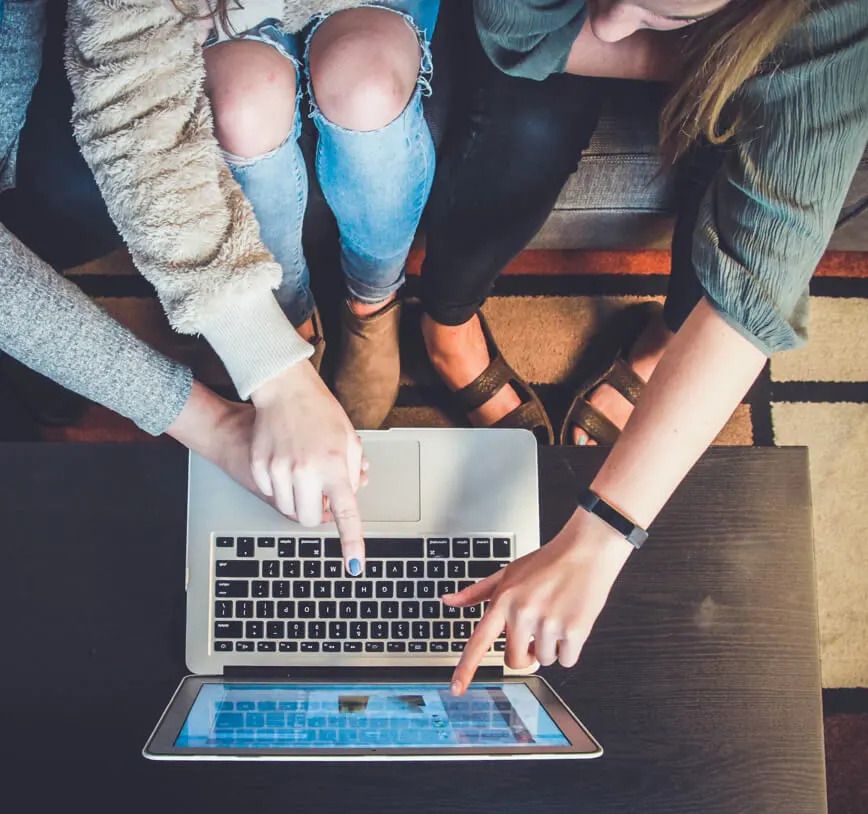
x,y
295,659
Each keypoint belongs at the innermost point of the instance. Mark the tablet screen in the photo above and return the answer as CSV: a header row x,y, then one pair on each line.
x,y
365,716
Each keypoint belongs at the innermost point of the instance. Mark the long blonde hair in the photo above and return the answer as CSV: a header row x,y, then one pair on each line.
x,y
722,52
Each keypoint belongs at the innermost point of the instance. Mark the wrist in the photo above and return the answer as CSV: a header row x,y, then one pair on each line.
x,y
589,534
274,388
198,424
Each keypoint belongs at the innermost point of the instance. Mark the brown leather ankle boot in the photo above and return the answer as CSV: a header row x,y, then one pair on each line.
x,y
369,366
318,342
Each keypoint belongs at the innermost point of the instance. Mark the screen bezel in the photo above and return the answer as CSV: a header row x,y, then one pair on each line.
x,y
161,744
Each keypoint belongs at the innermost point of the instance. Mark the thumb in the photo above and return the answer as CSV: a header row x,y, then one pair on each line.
x,y
482,591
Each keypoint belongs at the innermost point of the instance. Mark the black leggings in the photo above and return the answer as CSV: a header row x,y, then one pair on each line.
x,y
512,146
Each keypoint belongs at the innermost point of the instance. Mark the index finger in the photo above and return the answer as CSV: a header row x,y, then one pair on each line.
x,y
345,511
486,633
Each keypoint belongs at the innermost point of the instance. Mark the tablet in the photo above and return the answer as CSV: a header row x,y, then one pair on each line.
x,y
215,718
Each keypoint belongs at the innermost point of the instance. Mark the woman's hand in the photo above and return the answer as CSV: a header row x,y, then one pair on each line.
x,y
548,601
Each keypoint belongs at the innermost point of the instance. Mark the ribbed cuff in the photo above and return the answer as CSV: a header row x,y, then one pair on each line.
x,y
255,341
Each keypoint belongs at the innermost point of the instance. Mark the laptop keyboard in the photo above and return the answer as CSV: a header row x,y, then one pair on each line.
x,y
277,594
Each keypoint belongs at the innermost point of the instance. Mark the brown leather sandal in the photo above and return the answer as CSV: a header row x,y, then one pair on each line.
x,y
609,365
529,415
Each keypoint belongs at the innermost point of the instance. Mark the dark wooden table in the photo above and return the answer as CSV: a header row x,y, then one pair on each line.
x,y
701,678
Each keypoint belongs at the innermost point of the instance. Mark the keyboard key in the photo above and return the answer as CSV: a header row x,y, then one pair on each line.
x,y
456,569
274,630
312,569
400,630
480,570
369,610
397,647
395,570
446,586
244,547
436,569
461,548
364,589
337,630
225,542
266,647
473,612
286,610
358,630
431,610
343,588
316,630
352,647
425,589
501,548
374,647
348,610
253,630
415,569
244,609
236,568
331,647
265,609
260,588
384,589
462,584
286,547
223,610
271,568
295,630
389,610
421,630
265,542
301,590
379,630
288,647
232,588
410,610
310,647
458,647
500,645
309,547
438,548
374,570
450,612
328,610
481,548
280,589
333,569
222,647
381,548
228,630
461,630
418,647
307,610
442,630
322,589
291,569
439,647
404,589
244,647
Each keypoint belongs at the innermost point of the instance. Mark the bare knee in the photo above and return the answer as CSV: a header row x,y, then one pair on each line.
x,y
252,89
364,65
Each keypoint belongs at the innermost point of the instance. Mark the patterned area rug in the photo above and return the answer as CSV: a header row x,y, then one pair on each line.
x,y
543,311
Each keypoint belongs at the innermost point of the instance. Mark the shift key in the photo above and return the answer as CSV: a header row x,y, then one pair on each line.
x,y
237,568
479,569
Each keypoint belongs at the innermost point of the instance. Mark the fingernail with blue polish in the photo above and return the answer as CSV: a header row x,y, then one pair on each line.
x,y
355,567
583,440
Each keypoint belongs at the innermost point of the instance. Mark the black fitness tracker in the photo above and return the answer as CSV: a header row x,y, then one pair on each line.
x,y
633,534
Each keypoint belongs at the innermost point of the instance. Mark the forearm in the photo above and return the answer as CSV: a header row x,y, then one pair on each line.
x,y
702,377
647,55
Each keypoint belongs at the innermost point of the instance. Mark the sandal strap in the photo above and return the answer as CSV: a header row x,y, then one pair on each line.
x,y
594,423
625,380
527,416
485,385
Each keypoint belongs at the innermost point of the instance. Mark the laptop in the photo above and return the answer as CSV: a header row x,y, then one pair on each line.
x,y
293,659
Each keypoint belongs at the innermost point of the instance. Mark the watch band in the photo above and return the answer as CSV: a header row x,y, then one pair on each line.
x,y
635,535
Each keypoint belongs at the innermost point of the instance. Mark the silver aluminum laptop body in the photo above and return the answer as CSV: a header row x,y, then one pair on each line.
x,y
423,482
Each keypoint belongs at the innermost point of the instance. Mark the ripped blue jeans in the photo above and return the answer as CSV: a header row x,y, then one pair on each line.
x,y
375,182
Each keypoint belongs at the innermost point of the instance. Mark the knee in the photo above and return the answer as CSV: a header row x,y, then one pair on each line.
x,y
364,68
253,97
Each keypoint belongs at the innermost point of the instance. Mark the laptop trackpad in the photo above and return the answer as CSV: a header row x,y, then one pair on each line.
x,y
392,493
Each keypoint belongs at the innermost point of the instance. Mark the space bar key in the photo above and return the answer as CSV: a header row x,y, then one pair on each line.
x,y
380,547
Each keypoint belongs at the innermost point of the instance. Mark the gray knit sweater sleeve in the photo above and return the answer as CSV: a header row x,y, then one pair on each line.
x,y
50,325
771,210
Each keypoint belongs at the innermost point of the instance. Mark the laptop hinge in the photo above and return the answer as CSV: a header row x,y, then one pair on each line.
x,y
419,673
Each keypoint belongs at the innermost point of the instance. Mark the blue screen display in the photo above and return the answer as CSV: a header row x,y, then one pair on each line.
x,y
365,716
